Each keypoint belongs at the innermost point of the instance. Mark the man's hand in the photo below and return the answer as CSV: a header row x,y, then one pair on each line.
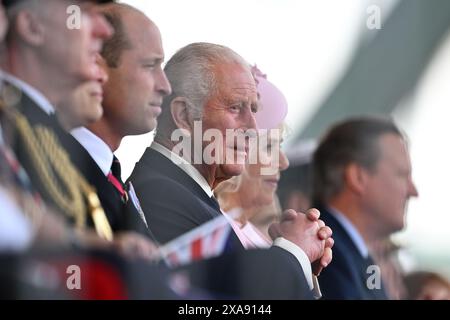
x,y
134,245
309,233
325,234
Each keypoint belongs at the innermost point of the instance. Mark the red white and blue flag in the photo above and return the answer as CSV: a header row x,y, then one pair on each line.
x,y
205,241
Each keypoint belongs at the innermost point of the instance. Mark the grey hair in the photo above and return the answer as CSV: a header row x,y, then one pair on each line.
x,y
191,73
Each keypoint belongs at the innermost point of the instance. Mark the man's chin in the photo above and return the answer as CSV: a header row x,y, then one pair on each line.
x,y
96,115
397,227
231,170
149,126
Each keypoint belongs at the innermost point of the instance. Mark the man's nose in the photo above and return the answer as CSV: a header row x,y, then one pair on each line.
x,y
413,192
100,26
163,84
249,120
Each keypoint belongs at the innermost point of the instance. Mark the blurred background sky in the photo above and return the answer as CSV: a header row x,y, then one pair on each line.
x,y
329,65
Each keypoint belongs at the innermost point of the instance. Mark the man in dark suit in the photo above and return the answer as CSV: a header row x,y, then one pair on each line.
x,y
362,184
212,89
94,106
93,158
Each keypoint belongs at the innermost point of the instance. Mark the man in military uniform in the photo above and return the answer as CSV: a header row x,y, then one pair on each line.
x,y
45,61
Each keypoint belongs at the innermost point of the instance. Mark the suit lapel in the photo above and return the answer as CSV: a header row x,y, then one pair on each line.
x,y
153,159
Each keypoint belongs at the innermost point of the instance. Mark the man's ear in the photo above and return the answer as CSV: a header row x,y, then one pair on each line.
x,y
181,115
29,28
356,178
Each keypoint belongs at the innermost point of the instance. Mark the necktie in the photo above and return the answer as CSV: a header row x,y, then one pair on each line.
x,y
114,176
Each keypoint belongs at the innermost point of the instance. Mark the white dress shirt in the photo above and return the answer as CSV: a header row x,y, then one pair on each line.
x,y
285,244
96,147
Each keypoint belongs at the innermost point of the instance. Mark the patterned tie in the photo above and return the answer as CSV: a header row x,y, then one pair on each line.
x,y
114,176
126,191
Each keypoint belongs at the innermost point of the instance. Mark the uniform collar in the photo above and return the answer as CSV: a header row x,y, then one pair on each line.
x,y
38,98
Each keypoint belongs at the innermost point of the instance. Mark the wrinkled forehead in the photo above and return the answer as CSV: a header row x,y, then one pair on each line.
x,y
234,78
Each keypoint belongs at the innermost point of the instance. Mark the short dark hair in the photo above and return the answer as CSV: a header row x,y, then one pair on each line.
x,y
352,141
115,45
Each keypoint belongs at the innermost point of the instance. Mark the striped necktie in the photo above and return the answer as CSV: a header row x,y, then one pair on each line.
x,y
114,176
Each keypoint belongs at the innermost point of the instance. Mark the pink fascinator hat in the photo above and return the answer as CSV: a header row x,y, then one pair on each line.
x,y
273,105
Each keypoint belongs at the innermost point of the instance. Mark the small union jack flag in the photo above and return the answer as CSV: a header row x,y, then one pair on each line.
x,y
205,241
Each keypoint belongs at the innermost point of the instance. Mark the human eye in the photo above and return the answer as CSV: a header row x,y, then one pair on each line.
x,y
235,108
150,66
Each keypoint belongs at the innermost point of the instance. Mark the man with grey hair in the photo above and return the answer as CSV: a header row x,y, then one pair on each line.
x,y
362,184
200,74
132,59
213,90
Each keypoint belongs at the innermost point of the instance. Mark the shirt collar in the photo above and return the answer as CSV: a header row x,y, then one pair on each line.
x,y
352,232
184,165
96,147
40,100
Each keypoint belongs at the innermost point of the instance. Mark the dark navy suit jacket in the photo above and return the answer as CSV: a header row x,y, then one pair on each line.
x,y
172,201
175,204
346,276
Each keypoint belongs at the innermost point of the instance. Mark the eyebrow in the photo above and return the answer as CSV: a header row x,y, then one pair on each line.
x,y
155,59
